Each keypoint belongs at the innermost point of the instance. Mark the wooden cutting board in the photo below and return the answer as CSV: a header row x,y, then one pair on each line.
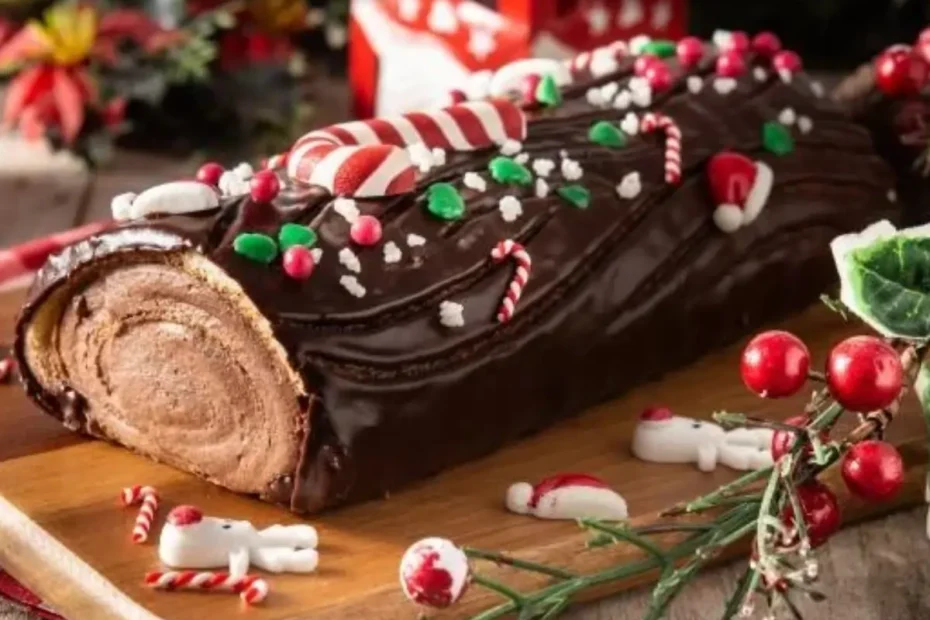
x,y
63,534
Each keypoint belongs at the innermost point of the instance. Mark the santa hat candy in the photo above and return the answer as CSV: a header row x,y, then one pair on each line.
x,y
740,188
567,496
185,515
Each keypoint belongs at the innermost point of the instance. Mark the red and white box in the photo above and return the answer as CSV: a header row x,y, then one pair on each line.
x,y
407,54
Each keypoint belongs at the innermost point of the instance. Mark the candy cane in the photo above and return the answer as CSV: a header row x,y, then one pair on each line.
x,y
365,159
149,498
250,588
597,62
275,162
501,251
652,121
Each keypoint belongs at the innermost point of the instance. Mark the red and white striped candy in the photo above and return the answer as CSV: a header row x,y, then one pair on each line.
x,y
597,62
250,588
24,259
275,162
365,159
149,498
653,121
501,251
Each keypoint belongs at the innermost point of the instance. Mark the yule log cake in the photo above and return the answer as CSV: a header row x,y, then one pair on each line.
x,y
396,296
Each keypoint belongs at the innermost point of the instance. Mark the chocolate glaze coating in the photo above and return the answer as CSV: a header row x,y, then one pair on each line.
x,y
619,292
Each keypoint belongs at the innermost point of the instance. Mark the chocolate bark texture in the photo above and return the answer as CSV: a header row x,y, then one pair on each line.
x,y
389,364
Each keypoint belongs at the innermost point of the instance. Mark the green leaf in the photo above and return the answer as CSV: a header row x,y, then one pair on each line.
x,y
890,282
295,234
256,246
548,92
576,195
505,170
662,48
444,201
607,134
777,139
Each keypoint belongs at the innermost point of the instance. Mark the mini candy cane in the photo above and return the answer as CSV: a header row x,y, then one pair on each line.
x,y
275,162
654,120
365,159
502,250
149,498
597,62
250,588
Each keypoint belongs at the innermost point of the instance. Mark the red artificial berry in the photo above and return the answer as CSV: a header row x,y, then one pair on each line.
x,y
873,470
658,76
766,44
775,364
864,374
210,173
264,186
528,86
730,64
457,96
690,50
298,262
787,61
366,230
783,441
820,510
900,72
642,64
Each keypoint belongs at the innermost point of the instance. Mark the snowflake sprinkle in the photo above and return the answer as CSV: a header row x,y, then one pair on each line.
x,y
349,260
392,253
351,284
451,314
510,208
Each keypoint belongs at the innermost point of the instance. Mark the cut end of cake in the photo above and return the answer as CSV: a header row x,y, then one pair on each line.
x,y
165,354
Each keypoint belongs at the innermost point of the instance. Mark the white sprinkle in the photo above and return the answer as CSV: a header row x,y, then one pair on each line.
x,y
439,157
630,186
542,188
892,196
721,37
543,167
787,116
473,180
817,89
347,208
724,85
630,124
244,171
349,260
511,147
451,314
510,208
695,84
571,169
563,153
595,97
414,241
420,156
785,75
640,91
317,254
609,89
231,184
351,284
602,62
805,124
623,100
760,74
637,44
392,253
522,158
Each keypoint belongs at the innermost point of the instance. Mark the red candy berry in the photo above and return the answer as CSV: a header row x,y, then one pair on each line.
x,y
690,50
366,230
900,72
210,173
298,262
658,76
766,44
642,64
820,510
787,61
864,374
873,470
737,42
782,441
528,86
775,364
264,186
730,64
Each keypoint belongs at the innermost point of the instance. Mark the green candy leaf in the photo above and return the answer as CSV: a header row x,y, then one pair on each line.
x,y
256,246
505,170
776,138
885,279
295,234
575,195
548,92
444,201
606,134
661,48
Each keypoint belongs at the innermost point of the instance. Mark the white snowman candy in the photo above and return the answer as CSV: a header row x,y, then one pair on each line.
x,y
434,573
191,540
661,437
567,496
175,197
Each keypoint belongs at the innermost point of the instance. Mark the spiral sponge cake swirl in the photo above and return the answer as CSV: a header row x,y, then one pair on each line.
x,y
160,336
